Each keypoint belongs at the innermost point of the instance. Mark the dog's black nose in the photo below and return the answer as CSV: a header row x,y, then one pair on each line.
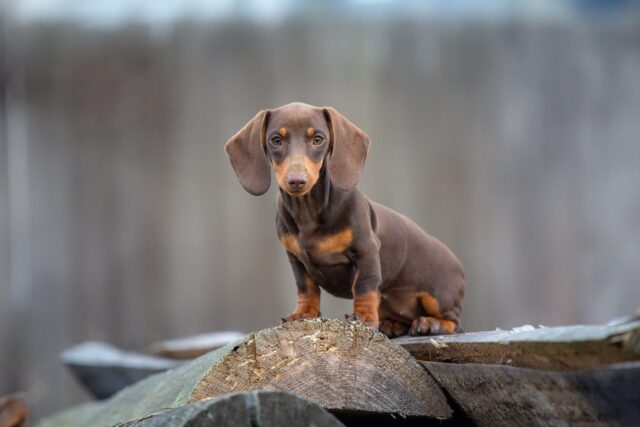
x,y
296,180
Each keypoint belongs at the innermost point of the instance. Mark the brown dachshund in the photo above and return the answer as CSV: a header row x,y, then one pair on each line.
x,y
401,278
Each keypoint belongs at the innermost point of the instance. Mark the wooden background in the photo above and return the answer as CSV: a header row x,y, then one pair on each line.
x,y
516,143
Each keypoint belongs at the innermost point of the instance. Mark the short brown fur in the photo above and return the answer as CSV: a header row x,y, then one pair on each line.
x,y
291,244
365,307
308,302
312,168
430,304
336,238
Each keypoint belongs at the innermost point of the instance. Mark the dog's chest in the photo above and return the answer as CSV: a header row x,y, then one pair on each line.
x,y
319,247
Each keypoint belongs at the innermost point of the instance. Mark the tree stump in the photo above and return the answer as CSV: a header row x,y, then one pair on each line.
x,y
340,365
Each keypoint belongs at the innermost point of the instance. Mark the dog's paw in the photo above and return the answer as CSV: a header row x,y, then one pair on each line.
x,y
367,320
297,315
392,328
427,325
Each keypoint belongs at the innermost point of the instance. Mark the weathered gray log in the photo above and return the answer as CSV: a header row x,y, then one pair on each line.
x,y
340,365
104,370
557,348
194,346
245,409
494,395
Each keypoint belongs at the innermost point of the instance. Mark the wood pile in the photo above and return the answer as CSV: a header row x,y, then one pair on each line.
x,y
543,376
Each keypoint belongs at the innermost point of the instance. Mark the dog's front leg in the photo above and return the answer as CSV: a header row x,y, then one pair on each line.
x,y
366,280
308,297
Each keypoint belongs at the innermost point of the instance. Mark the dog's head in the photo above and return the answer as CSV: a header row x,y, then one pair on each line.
x,y
297,139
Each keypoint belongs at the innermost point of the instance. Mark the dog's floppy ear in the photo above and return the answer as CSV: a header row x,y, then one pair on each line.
x,y
247,156
349,145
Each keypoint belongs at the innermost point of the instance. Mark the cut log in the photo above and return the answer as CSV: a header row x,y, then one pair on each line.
x,y
563,348
104,370
247,409
243,409
340,365
494,395
194,346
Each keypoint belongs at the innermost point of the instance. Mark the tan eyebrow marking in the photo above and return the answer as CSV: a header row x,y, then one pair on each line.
x,y
282,132
310,132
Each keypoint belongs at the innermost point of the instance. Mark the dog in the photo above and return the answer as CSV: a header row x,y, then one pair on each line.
x,y
400,278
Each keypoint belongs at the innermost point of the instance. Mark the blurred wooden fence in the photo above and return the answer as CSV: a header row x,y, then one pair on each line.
x,y
517,144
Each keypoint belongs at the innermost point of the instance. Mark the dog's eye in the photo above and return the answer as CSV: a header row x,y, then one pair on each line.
x,y
276,140
318,140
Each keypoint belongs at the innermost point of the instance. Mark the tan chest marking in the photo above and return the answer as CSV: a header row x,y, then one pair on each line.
x,y
336,243
291,244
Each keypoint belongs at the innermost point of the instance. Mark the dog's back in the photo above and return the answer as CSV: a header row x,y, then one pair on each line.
x,y
414,263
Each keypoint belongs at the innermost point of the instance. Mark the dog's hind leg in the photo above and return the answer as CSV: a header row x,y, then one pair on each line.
x,y
436,321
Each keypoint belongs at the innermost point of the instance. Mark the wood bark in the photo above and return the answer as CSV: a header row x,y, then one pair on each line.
x,y
562,348
340,365
494,395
